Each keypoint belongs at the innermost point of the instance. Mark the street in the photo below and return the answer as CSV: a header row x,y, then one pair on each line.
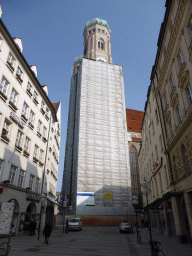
x,y
94,241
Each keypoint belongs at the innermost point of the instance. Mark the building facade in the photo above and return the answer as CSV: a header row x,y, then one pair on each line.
x,y
97,177
30,136
171,80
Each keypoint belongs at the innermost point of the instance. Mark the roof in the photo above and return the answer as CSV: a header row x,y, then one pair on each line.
x,y
96,21
134,120
54,105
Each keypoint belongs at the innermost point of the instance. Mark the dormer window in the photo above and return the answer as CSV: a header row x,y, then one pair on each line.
x,y
100,45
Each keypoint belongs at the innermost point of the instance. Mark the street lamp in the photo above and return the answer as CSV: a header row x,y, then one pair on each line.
x,y
135,201
146,191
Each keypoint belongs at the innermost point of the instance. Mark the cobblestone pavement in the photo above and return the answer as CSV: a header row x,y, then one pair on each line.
x,y
95,241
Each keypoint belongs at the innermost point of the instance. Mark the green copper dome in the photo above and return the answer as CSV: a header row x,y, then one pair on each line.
x,y
78,59
96,21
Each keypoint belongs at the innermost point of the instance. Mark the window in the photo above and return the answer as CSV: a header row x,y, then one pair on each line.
x,y
103,31
179,119
165,100
152,160
21,178
6,129
44,131
149,137
189,94
39,126
4,85
157,116
31,180
19,139
160,180
24,110
153,191
89,32
93,30
100,45
156,152
153,128
1,166
161,142
42,104
166,177
190,29
35,151
11,61
19,74
13,97
156,187
185,159
26,145
35,95
171,82
150,165
170,129
37,185
12,174
180,60
41,155
29,89
31,117
99,30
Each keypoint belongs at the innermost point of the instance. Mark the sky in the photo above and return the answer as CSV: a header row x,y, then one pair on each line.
x,y
52,36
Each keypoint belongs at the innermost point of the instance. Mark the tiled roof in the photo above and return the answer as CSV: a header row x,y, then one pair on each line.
x,y
134,120
54,105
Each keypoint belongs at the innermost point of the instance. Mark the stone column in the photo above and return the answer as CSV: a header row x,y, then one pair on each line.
x,y
176,216
188,204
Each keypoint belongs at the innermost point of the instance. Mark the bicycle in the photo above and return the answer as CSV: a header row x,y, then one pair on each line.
x,y
5,248
155,251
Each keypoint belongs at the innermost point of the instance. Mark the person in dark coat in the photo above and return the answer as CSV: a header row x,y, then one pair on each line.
x,y
47,232
31,228
34,227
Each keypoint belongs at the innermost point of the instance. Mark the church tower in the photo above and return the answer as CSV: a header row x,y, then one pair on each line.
x,y
97,45
96,177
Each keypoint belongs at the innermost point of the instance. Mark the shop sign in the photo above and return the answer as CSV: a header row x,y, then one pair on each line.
x,y
17,119
156,166
33,198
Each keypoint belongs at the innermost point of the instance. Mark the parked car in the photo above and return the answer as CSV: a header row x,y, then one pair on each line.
x,y
126,228
75,224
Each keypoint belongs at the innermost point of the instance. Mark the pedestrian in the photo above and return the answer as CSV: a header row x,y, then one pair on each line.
x,y
147,225
34,227
142,222
31,228
67,226
47,232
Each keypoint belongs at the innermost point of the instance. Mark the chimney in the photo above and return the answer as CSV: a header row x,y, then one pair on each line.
x,y
45,88
18,42
1,11
34,69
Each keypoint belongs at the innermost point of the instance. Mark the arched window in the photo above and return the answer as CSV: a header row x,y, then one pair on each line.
x,y
185,159
101,44
134,170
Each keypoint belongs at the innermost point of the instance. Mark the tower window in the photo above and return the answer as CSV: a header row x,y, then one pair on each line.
x,y
100,45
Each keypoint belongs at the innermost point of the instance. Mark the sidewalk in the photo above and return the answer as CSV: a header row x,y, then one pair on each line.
x,y
168,245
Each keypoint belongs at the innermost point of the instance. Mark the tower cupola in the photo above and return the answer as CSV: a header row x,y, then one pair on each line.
x,y
97,44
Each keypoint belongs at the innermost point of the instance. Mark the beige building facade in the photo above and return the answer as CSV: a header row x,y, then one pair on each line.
x,y
29,136
171,85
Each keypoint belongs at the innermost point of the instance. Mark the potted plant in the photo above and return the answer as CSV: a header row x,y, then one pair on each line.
x,y
41,164
30,124
5,138
36,101
18,76
46,116
12,105
26,153
42,111
38,133
35,159
3,95
44,139
18,147
10,65
29,92
22,116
